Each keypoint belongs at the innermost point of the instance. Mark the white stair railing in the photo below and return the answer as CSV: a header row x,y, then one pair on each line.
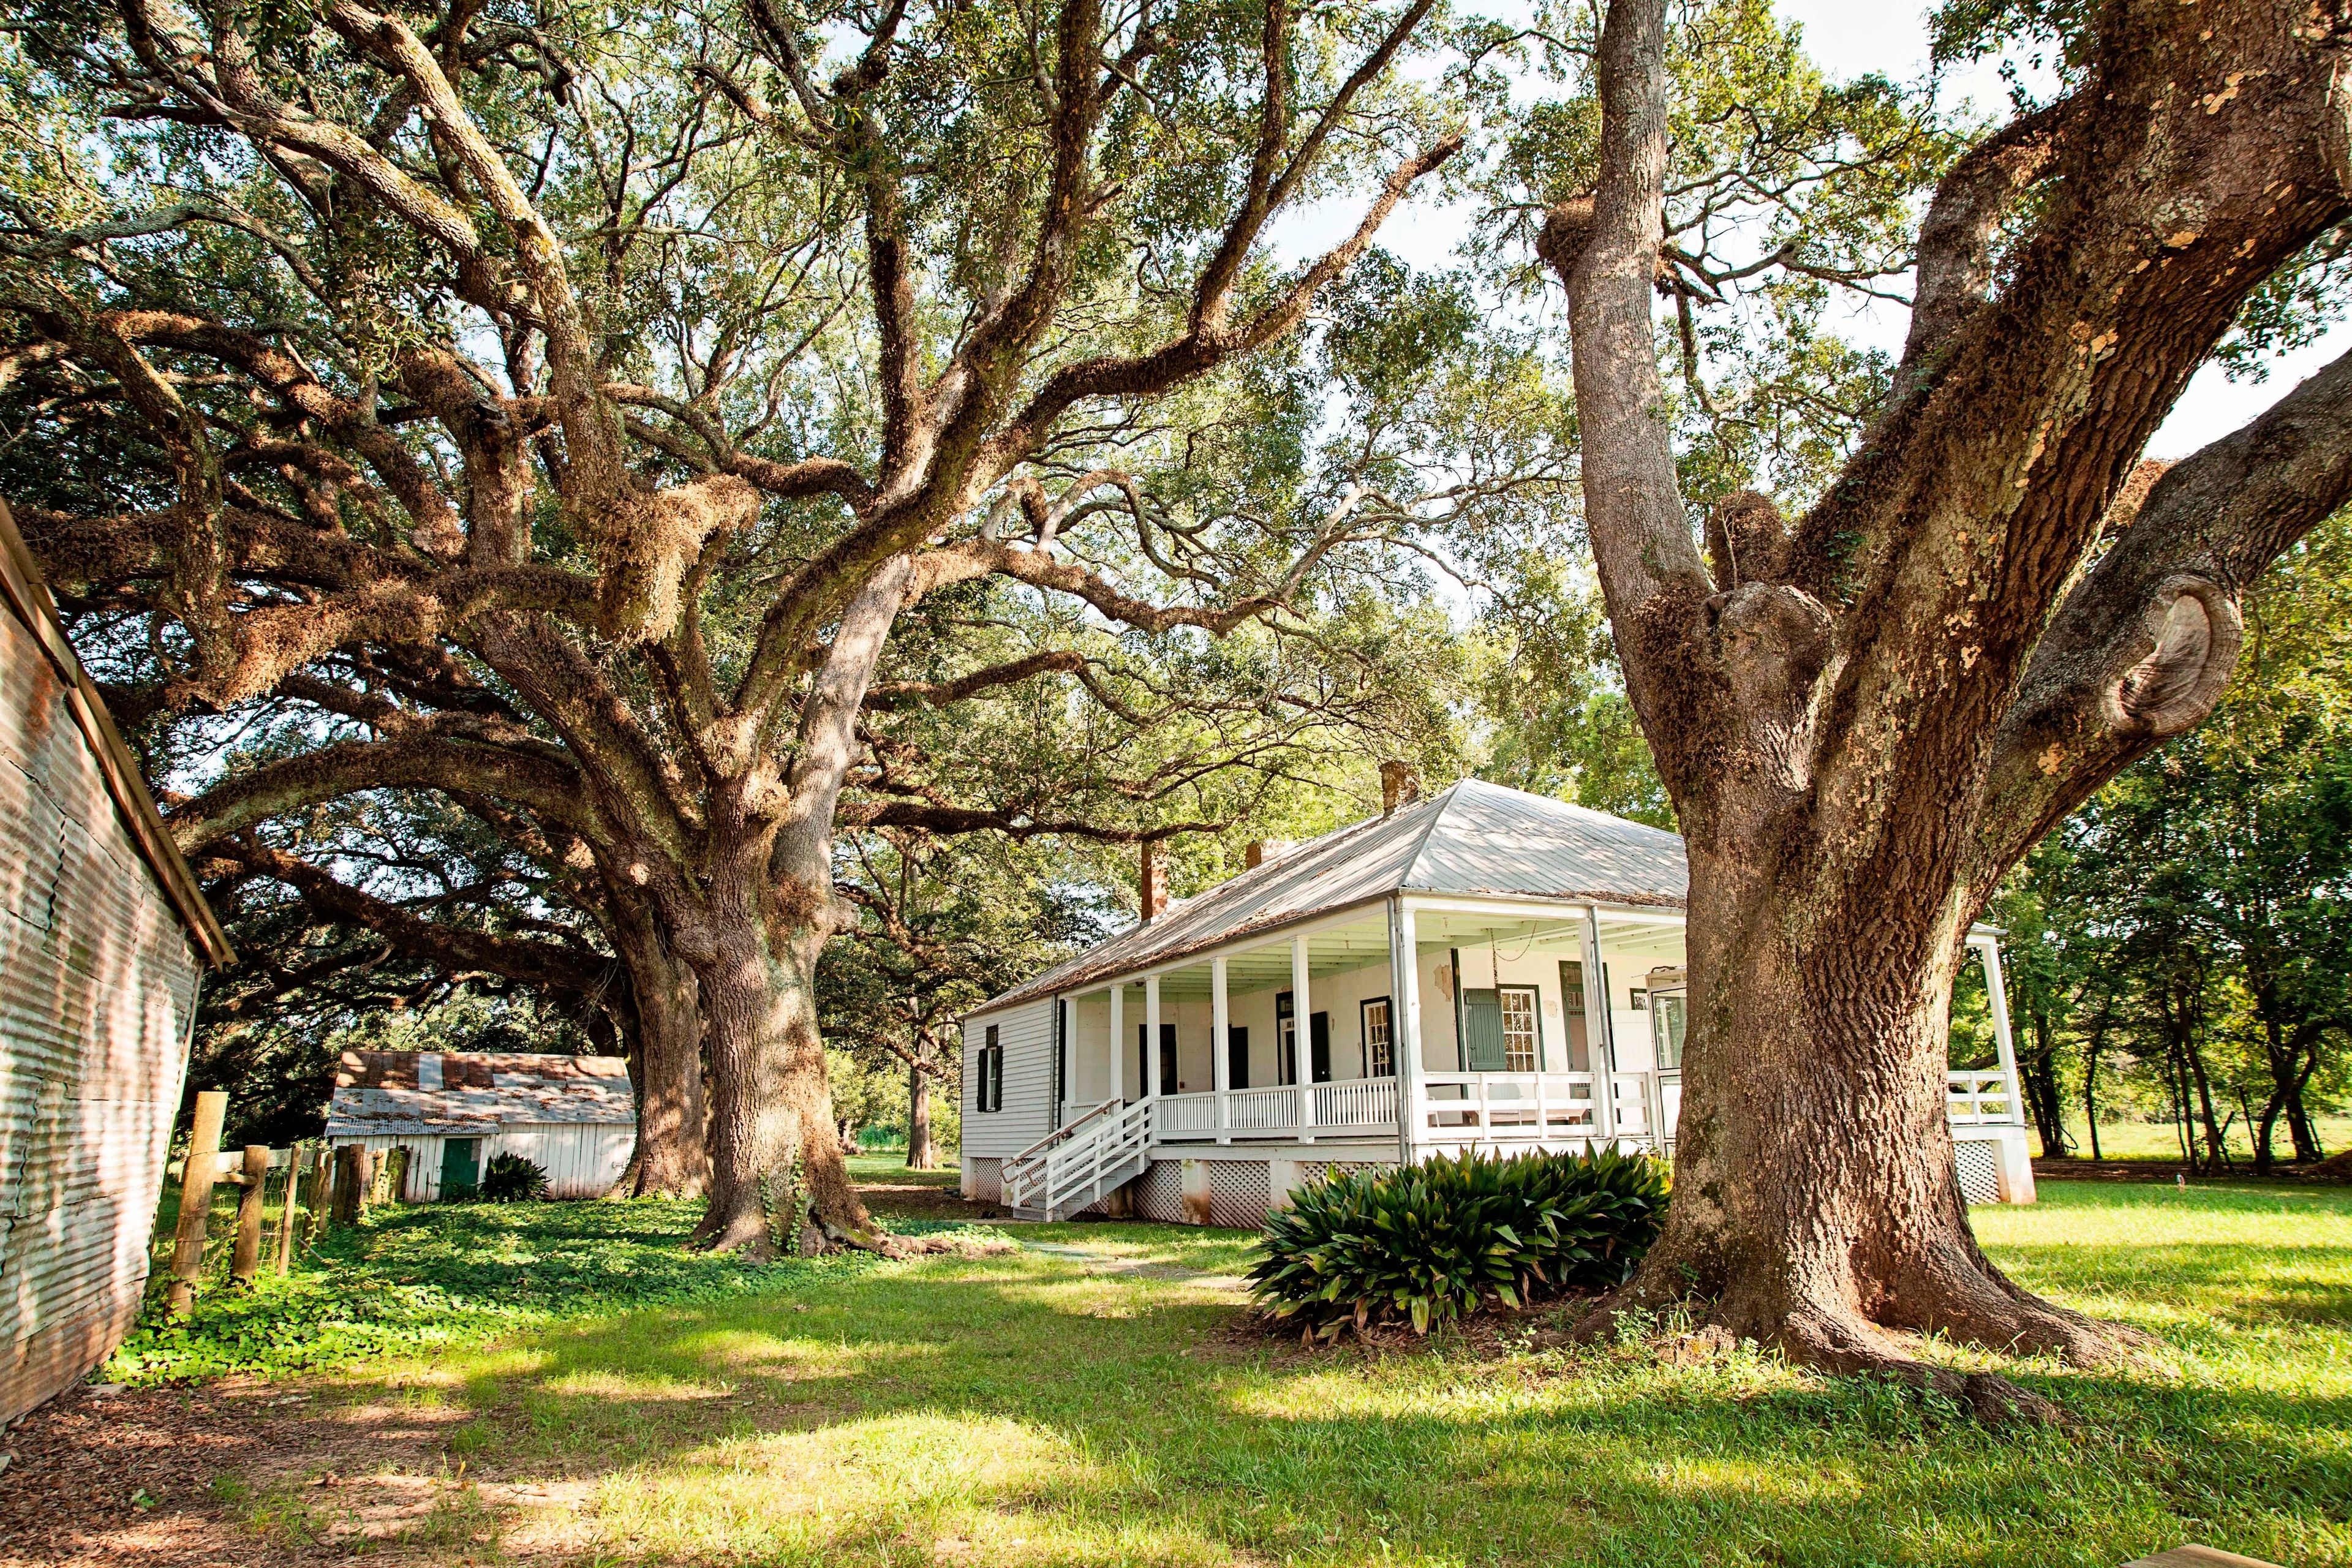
x,y
1023,1170
1085,1159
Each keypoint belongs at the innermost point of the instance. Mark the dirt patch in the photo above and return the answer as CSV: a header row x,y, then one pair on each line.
x,y
924,1194
232,1473
259,1475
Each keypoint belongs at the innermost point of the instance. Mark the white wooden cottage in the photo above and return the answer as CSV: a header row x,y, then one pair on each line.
x,y
574,1117
103,936
1486,969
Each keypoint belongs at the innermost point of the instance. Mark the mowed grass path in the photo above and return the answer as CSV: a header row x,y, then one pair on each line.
x,y
1023,1410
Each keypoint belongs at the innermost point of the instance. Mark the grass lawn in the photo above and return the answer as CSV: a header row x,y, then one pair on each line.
x,y
1033,1409
2160,1141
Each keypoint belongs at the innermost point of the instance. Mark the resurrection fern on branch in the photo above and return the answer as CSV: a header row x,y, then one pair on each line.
x,y
1428,1243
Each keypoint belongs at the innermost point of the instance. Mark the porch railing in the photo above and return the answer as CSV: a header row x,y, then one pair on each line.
x,y
1351,1108
1460,1108
1500,1108
1979,1099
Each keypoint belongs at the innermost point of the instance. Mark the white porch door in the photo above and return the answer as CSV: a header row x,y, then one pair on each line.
x,y
1669,1018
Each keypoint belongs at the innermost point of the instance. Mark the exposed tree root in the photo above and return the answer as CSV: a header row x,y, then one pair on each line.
x,y
1847,1343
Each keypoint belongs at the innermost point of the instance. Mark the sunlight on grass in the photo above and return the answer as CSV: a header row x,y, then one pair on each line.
x,y
1022,1410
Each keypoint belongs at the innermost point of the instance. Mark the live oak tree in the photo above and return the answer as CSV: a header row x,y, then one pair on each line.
x,y
1866,713
567,406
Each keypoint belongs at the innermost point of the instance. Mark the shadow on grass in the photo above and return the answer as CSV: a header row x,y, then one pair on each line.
x,y
1017,1410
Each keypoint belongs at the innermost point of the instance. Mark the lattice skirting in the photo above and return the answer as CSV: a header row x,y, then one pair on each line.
x,y
988,1181
1238,1193
1979,1166
1159,1192
1313,1169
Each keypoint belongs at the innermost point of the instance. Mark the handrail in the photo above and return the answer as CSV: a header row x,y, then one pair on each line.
x,y
1063,1131
1060,1170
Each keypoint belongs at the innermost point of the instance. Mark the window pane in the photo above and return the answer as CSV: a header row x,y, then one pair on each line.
x,y
1379,1058
1518,1029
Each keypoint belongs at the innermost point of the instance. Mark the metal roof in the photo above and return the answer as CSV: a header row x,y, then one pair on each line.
x,y
475,1092
1474,839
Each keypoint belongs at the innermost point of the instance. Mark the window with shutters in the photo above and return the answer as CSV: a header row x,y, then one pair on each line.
x,y
988,1092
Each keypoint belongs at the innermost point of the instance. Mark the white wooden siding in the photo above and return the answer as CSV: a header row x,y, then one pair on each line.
x,y
96,986
1026,1034
582,1160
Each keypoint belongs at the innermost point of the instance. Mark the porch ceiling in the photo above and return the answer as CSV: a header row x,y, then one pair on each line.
x,y
1330,951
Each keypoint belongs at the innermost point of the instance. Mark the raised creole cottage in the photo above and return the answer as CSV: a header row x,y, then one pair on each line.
x,y
1486,969
574,1117
103,935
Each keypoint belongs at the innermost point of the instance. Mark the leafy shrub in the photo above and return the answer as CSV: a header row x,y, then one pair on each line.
x,y
1427,1243
511,1179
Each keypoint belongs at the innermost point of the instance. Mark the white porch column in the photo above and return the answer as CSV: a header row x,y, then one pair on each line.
x,y
1118,1042
1221,1023
1301,1049
1997,999
1151,1036
1599,1040
1404,1024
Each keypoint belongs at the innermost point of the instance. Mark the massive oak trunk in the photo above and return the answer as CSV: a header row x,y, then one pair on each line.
x,y
1868,716
771,1127
672,1160
1814,1194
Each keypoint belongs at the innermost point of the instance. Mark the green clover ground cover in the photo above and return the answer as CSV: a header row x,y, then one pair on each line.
x,y
422,1277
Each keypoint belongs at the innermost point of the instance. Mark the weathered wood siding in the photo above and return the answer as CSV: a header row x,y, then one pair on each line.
x,y
582,1160
98,986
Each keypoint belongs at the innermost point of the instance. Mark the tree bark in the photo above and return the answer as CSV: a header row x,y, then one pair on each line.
x,y
1815,1201
920,1153
673,1159
1866,717
771,1100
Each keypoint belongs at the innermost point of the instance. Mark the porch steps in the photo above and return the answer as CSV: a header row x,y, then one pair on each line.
x,y
1080,1164
1063,1205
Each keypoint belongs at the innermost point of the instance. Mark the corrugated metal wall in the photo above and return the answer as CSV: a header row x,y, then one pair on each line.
x,y
96,986
582,1160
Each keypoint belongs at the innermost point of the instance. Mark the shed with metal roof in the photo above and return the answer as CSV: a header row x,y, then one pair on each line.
x,y
574,1117
103,935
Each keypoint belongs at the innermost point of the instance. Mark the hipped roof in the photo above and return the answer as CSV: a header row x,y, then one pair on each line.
x,y
1475,838
474,1093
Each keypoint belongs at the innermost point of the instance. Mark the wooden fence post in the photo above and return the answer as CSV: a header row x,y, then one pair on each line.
x,y
245,1263
350,1189
288,1209
195,1201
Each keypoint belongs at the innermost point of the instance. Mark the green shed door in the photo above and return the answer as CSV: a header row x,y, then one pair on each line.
x,y
461,1172
1482,1031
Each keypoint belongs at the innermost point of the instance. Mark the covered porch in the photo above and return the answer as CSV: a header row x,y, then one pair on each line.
x,y
1514,1022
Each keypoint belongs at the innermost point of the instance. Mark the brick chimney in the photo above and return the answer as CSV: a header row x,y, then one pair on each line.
x,y
1154,900
1258,851
1400,785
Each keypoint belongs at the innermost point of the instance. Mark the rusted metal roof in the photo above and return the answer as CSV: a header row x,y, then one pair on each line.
x,y
425,1092
1475,838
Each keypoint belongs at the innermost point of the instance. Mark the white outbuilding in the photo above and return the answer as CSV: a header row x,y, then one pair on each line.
x,y
574,1117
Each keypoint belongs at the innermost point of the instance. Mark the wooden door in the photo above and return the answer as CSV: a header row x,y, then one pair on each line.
x,y
1481,1030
